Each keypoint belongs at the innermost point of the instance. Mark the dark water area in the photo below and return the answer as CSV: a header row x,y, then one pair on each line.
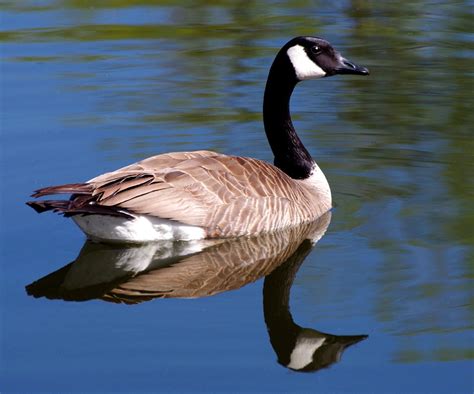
x,y
88,87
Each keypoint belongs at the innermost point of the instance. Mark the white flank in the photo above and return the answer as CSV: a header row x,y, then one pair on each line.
x,y
304,67
319,183
143,228
302,354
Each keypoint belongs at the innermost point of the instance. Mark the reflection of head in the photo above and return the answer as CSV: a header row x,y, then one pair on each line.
x,y
297,348
315,350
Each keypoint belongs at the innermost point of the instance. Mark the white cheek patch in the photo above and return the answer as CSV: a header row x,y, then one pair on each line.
x,y
304,67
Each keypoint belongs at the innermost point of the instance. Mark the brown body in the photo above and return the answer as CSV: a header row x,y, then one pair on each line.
x,y
227,196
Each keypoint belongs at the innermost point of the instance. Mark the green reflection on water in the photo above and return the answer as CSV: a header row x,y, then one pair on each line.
x,y
397,146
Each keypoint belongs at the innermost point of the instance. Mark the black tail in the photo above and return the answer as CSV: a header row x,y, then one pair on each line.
x,y
82,202
49,205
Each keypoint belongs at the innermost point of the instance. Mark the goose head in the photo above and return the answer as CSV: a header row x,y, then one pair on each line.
x,y
313,57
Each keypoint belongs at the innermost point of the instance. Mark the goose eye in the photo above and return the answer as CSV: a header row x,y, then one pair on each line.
x,y
315,49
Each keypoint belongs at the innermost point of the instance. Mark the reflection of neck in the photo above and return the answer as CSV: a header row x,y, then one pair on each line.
x,y
290,154
276,299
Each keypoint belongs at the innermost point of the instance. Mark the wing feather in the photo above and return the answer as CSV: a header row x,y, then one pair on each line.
x,y
227,195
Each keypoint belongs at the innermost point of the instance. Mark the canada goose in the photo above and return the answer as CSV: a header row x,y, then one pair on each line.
x,y
203,194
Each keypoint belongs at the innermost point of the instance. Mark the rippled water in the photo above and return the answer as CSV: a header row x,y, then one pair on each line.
x,y
88,86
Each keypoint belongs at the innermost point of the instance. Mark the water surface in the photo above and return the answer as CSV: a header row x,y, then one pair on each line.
x,y
87,87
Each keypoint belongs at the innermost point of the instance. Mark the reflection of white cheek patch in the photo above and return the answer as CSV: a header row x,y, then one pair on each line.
x,y
304,67
302,354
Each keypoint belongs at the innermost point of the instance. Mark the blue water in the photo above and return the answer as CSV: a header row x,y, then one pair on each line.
x,y
87,88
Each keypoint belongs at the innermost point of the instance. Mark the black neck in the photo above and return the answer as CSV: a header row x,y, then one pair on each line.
x,y
290,154
282,329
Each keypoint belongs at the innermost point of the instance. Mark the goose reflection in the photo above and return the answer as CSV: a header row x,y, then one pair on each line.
x,y
125,274
298,348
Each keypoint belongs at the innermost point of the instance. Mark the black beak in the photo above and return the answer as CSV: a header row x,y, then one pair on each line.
x,y
346,67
